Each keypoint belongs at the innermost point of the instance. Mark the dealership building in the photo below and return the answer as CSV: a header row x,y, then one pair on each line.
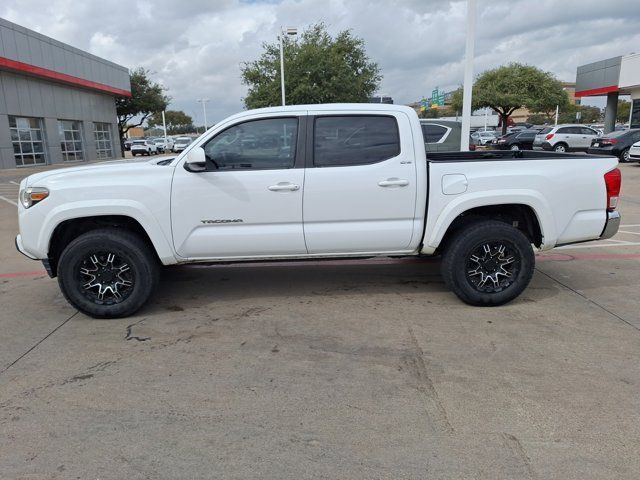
x,y
57,103
612,77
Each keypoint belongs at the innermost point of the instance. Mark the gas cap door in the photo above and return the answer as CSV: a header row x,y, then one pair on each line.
x,y
454,184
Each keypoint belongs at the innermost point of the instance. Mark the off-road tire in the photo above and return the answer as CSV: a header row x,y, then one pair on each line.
x,y
130,250
459,251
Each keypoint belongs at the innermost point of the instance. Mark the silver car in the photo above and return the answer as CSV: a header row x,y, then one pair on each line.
x,y
565,138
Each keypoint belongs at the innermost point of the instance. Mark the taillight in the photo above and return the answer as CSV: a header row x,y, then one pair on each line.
x,y
549,136
609,141
613,181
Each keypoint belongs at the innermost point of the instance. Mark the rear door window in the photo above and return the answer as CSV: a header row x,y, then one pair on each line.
x,y
354,140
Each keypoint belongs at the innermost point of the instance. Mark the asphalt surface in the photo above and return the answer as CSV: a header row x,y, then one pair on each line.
x,y
363,370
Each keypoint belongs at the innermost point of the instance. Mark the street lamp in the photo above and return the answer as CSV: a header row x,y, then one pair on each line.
x,y
288,31
204,102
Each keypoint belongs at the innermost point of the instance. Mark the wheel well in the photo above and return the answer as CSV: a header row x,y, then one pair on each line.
x,y
69,230
520,216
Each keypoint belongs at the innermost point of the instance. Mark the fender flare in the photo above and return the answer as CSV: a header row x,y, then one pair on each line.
x,y
126,208
530,198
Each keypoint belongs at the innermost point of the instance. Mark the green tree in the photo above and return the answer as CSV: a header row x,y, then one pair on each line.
x,y
318,69
624,110
176,120
435,113
510,87
147,98
539,119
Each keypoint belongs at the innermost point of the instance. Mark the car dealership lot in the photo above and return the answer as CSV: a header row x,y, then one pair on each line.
x,y
338,369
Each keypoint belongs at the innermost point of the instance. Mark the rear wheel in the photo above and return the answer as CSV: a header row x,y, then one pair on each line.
x,y
624,155
560,148
107,273
488,263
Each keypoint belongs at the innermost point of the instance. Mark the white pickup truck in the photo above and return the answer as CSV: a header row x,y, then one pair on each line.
x,y
309,182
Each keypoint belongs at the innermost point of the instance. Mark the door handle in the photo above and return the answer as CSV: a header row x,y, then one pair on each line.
x,y
284,187
393,182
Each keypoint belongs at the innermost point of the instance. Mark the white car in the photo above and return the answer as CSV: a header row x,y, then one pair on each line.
x,y
484,137
634,152
310,182
143,147
565,138
181,143
164,145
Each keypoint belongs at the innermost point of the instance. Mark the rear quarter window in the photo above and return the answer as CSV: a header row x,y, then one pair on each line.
x,y
354,140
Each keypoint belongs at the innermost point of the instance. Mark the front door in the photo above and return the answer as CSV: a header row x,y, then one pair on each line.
x,y
249,201
360,185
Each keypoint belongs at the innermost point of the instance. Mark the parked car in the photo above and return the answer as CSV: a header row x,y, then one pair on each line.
x,y
143,147
565,138
484,137
616,143
127,143
181,143
441,135
164,145
634,152
357,187
522,140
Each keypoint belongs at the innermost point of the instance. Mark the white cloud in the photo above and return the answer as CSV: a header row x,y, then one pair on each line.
x,y
195,48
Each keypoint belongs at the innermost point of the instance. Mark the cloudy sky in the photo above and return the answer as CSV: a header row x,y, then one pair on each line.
x,y
195,47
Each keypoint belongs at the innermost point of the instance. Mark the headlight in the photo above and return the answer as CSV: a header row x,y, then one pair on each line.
x,y
32,195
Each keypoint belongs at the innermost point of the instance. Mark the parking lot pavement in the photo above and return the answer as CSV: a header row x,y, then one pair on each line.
x,y
329,370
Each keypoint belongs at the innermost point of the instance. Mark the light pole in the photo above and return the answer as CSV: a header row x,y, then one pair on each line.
x,y
468,75
287,31
204,102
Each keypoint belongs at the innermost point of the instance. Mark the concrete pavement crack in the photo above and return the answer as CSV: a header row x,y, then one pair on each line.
x,y
37,343
602,307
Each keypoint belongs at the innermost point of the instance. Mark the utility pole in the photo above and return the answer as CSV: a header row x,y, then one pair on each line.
x,y
204,102
468,75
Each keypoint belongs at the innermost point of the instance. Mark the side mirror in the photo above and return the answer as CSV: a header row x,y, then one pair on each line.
x,y
196,160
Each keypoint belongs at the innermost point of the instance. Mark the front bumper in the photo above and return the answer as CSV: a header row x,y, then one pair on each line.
x,y
612,225
21,249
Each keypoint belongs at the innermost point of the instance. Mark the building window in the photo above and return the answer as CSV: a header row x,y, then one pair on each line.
x,y
70,140
102,135
27,139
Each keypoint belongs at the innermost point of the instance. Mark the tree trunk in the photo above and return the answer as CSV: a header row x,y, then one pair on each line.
x,y
503,119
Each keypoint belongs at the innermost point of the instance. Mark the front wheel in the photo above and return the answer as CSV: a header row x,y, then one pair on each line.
x,y
107,273
488,263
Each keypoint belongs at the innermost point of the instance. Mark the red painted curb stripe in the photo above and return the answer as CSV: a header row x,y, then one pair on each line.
x,y
22,274
59,77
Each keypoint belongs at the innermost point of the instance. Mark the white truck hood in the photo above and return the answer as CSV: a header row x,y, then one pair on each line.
x,y
111,167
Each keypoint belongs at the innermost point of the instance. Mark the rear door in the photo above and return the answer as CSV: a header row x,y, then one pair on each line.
x,y
571,136
360,183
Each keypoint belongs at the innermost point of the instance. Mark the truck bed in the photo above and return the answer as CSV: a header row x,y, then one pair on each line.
x,y
488,155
